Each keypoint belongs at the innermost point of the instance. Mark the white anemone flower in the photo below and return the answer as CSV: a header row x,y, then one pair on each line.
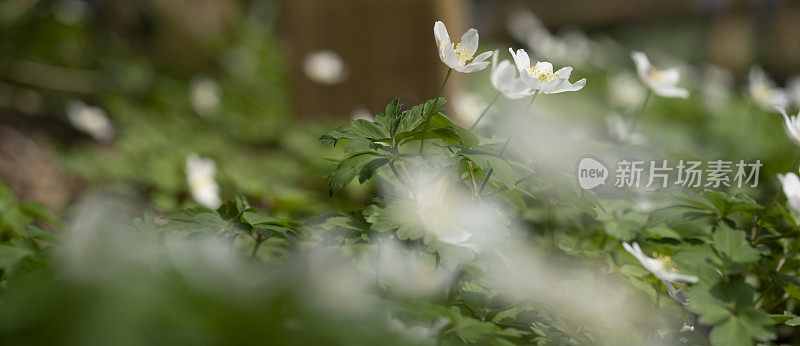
x,y
662,82
763,91
625,91
504,79
541,76
791,188
362,113
662,266
467,107
460,56
325,67
792,125
205,95
200,175
91,120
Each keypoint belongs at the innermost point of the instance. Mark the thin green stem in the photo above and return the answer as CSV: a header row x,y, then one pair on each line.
x,y
638,117
485,110
505,145
435,106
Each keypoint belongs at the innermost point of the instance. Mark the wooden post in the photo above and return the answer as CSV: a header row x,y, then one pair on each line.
x,y
387,47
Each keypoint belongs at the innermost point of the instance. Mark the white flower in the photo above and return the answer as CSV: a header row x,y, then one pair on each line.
x,y
205,95
504,79
791,188
541,76
362,113
200,175
467,107
91,120
716,87
662,82
793,89
763,91
620,130
325,67
661,266
460,56
625,91
792,125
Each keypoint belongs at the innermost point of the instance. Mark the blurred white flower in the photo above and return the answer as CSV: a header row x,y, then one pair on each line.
x,y
325,67
362,113
467,107
451,216
791,188
91,120
662,82
205,95
541,77
504,79
459,56
403,273
625,91
70,11
419,335
792,125
662,266
793,88
619,129
200,175
763,91
686,328
522,24
716,87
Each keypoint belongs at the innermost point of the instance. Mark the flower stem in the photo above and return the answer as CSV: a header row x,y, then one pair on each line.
x,y
505,145
760,223
638,117
435,106
485,110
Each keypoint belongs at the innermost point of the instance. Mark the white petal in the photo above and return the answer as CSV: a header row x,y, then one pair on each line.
x,y
643,65
564,72
560,85
482,57
449,56
544,67
440,32
670,92
469,41
472,67
521,59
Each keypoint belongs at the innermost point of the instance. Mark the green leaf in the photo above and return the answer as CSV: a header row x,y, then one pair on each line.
x,y
506,172
793,322
348,169
731,243
12,256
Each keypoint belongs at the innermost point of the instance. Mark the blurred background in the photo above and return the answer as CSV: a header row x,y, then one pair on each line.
x,y
114,95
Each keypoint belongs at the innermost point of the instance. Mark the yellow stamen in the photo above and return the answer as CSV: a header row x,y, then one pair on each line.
x,y
542,75
464,54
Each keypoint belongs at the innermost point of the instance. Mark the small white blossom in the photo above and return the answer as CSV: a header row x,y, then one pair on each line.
x,y
467,107
504,79
325,67
459,56
91,120
541,76
662,82
661,266
792,125
205,95
200,175
716,87
625,91
763,91
791,188
619,129
362,113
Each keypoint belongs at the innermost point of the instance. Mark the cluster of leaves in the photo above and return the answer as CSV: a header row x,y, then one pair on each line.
x,y
23,244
